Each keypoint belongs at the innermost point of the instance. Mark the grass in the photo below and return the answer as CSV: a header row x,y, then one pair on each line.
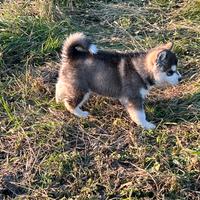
x,y
46,153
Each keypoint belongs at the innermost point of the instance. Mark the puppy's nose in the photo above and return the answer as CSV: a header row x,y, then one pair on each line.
x,y
179,79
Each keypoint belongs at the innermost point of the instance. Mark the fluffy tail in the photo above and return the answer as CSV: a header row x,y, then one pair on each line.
x,y
73,45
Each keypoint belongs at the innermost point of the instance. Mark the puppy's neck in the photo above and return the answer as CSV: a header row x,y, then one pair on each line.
x,y
143,69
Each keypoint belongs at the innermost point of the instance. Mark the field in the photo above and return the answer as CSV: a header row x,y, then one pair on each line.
x,y
47,153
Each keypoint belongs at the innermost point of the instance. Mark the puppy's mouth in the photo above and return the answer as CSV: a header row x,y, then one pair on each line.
x,y
165,84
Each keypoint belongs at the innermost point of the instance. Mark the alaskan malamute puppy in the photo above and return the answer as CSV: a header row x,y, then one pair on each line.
x,y
125,76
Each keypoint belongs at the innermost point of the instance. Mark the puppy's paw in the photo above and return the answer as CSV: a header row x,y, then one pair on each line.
x,y
79,113
148,126
84,114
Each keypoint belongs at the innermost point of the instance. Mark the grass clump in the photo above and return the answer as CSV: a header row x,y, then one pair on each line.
x,y
164,3
30,36
191,10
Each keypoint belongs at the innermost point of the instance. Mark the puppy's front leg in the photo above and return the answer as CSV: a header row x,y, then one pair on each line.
x,y
137,113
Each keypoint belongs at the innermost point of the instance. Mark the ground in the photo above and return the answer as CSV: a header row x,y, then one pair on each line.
x,y
47,153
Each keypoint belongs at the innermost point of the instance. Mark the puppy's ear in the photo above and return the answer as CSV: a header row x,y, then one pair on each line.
x,y
168,46
158,55
161,57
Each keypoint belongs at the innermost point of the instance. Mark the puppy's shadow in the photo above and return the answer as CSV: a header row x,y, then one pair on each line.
x,y
177,109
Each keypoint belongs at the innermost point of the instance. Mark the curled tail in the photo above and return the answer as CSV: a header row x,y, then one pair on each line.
x,y
72,45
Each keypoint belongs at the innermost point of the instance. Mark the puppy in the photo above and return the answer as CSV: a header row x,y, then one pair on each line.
x,y
125,76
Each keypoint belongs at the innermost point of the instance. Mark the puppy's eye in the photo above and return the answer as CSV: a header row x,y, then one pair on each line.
x,y
170,73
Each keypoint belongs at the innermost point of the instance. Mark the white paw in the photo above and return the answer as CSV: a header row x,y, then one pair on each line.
x,y
148,126
84,114
79,113
93,49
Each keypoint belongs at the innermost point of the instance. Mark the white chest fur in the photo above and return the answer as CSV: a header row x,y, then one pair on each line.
x,y
144,92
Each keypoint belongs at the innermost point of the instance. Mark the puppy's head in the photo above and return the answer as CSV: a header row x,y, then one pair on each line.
x,y
162,63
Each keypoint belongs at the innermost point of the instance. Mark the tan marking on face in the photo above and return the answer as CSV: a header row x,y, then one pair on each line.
x,y
151,58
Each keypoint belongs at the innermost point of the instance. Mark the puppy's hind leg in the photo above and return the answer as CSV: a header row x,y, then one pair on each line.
x,y
73,105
